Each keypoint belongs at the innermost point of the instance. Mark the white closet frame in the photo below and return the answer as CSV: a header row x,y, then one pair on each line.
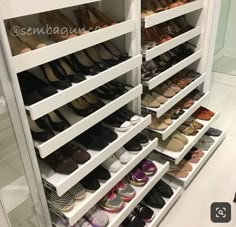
x,y
130,10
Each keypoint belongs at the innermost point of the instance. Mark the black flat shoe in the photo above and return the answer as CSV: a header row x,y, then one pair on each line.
x,y
88,70
58,121
101,174
40,130
133,146
105,132
163,189
105,93
33,89
81,107
141,139
56,75
118,124
92,141
90,183
154,199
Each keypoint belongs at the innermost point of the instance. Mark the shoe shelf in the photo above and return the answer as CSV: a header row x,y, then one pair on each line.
x,y
62,183
92,82
175,99
28,7
49,53
176,123
160,213
117,218
197,167
166,15
176,157
81,124
172,70
162,48
82,207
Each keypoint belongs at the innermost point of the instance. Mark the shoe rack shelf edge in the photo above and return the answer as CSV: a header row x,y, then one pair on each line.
x,y
40,56
33,7
161,17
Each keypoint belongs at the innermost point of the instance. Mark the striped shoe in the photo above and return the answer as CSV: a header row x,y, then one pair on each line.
x,y
63,203
77,192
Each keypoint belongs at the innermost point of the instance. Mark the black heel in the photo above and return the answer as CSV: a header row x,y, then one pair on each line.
x,y
56,75
58,121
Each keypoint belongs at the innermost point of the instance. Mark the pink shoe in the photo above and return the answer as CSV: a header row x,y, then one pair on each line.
x,y
125,191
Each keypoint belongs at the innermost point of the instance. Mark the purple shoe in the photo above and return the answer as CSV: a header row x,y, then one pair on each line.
x,y
148,167
137,177
83,223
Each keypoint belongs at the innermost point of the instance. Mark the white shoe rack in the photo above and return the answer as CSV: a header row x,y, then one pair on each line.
x,y
126,35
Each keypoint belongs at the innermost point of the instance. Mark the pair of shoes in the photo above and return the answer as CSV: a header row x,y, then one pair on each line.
x,y
91,17
20,43
114,163
203,114
161,124
139,175
97,138
205,143
194,155
66,201
153,99
196,95
66,159
122,120
181,170
213,132
92,181
155,197
176,142
111,90
94,217
114,200
139,216
86,105
136,144
42,128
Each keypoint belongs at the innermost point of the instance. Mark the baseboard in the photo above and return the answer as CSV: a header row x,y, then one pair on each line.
x,y
223,78
218,55
229,52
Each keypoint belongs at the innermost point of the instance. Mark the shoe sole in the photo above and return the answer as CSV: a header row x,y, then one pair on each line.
x,y
137,184
150,173
114,210
150,219
81,197
127,199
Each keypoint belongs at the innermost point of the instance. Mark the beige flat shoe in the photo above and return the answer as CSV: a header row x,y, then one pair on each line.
x,y
161,99
178,173
149,101
166,120
172,144
180,136
185,166
165,91
158,125
174,87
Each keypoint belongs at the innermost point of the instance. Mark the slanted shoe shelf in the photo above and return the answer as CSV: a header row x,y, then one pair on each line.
x,y
126,35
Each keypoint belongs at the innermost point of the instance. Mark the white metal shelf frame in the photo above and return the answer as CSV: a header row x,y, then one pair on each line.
x,y
81,207
62,183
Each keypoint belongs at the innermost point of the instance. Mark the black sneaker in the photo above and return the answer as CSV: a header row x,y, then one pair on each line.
x,y
90,183
133,221
144,212
163,189
102,174
154,199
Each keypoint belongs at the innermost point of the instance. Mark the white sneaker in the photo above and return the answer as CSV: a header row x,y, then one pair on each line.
x,y
123,155
112,164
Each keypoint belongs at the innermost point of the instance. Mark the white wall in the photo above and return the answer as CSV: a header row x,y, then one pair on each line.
x,y
230,39
220,39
